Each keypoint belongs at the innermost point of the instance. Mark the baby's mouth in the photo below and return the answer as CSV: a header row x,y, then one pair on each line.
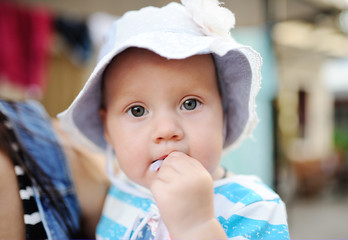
x,y
156,165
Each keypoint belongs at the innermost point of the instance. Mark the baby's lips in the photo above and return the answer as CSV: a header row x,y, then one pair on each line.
x,y
156,165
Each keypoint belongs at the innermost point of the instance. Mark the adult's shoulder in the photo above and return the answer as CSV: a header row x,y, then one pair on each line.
x,y
11,209
89,177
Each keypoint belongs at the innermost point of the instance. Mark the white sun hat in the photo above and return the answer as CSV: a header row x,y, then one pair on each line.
x,y
176,31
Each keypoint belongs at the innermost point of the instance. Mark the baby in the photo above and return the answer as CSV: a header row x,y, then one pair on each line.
x,y
171,91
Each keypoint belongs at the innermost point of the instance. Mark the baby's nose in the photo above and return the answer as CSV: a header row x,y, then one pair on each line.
x,y
168,129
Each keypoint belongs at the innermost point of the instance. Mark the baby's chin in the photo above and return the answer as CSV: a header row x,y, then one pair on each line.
x,y
148,178
144,182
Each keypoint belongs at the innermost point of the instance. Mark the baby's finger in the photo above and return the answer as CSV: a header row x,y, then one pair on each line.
x,y
180,161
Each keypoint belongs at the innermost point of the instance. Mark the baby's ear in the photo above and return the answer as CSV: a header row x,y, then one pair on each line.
x,y
102,114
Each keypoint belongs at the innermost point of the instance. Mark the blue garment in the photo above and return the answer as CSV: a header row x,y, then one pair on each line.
x,y
245,207
35,132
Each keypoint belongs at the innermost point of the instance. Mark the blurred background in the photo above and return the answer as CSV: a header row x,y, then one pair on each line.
x,y
300,147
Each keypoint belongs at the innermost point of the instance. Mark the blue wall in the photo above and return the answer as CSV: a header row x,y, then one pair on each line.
x,y
255,155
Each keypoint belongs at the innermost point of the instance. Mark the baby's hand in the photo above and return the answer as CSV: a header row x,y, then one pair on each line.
x,y
183,190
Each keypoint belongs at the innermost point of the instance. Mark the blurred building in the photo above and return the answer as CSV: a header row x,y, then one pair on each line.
x,y
312,97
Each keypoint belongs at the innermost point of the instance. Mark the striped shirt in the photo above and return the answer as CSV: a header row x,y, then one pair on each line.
x,y
245,207
34,228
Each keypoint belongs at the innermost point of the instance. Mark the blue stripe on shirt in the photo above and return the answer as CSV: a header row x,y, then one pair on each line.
x,y
138,202
235,192
110,229
253,229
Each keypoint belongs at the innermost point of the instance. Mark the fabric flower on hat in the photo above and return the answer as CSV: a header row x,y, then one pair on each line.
x,y
214,19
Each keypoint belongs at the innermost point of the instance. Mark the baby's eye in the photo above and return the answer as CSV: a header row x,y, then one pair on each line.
x,y
190,104
137,111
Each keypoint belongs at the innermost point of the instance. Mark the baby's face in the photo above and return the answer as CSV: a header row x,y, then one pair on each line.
x,y
155,106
